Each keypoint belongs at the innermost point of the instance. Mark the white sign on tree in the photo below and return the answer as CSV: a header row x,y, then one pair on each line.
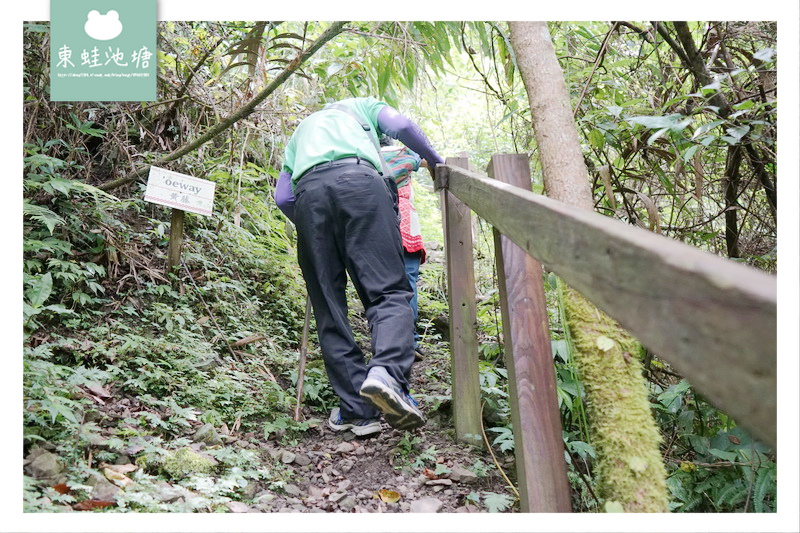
x,y
180,191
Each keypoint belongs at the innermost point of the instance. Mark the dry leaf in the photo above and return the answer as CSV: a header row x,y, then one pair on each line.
x,y
605,175
248,340
61,488
99,390
652,212
679,174
604,343
389,496
430,474
122,469
121,480
698,175
90,505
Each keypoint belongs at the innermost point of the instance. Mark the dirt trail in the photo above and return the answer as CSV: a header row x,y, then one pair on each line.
x,y
425,470
420,471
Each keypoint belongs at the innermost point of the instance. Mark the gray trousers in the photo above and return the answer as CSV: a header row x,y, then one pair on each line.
x,y
346,220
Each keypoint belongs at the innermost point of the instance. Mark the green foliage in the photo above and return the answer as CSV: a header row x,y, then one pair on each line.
x,y
106,327
662,143
495,502
721,468
317,391
51,408
287,428
505,438
406,447
426,458
56,280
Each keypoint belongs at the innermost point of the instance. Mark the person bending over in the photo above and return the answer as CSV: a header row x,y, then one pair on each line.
x,y
333,187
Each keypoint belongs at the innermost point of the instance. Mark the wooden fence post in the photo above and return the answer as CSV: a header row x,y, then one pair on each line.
x,y
456,219
538,444
175,238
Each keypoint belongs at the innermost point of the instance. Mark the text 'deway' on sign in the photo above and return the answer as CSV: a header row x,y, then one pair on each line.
x,y
180,191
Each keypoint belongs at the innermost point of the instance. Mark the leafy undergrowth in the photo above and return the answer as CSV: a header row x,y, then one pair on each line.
x,y
153,392
137,441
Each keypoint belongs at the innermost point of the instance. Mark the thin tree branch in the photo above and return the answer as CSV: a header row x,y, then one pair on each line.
x,y
242,112
730,187
698,67
664,33
386,37
597,61
644,34
466,48
193,72
757,162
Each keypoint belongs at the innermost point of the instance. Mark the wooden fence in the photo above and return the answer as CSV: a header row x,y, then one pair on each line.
x,y
713,320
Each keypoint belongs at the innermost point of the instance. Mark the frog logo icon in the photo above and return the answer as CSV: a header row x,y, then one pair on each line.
x,y
103,27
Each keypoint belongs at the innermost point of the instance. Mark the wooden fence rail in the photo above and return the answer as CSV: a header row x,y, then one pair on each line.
x,y
713,319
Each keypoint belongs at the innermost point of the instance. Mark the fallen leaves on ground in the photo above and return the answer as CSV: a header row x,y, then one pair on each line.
x,y
121,480
91,505
389,496
61,488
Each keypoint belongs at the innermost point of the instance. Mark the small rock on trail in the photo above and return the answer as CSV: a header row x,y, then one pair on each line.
x,y
426,505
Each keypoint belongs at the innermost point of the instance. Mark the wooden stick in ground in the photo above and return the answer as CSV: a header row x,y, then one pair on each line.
x,y
175,238
302,370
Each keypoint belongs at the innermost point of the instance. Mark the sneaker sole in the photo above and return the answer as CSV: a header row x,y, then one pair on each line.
x,y
359,431
397,412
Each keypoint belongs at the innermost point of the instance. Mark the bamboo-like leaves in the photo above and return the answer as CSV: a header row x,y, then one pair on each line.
x,y
248,48
256,44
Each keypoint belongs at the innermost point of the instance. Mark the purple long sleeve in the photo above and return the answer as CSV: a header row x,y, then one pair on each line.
x,y
284,197
400,127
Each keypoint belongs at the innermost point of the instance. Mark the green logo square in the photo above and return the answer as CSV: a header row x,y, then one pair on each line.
x,y
102,50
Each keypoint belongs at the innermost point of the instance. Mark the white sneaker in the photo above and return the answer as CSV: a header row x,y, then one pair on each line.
x,y
358,426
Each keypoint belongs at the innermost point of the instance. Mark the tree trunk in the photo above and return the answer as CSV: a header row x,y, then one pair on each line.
x,y
730,186
565,175
625,436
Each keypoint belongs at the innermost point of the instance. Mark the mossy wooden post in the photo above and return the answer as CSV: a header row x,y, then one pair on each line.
x,y
456,219
538,444
175,238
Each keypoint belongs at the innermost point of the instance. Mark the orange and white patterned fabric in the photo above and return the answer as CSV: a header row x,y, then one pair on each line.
x,y
402,161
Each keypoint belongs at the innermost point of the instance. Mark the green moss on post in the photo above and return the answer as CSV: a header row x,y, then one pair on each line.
x,y
630,470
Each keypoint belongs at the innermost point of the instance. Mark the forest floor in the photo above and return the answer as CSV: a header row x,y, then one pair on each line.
x,y
395,471
319,471
202,467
